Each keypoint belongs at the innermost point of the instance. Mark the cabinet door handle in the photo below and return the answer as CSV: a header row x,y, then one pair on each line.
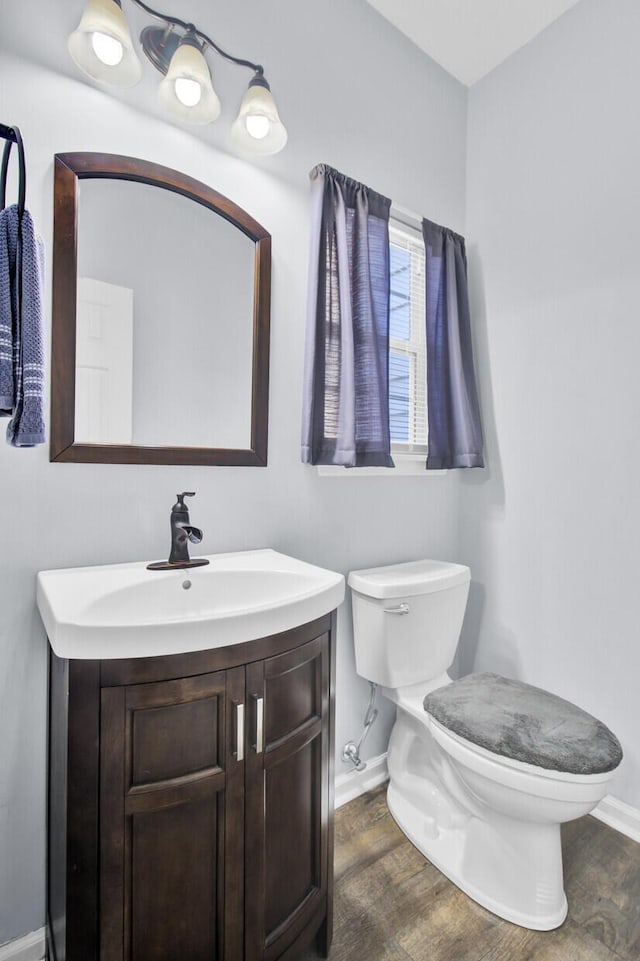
x,y
259,724
239,751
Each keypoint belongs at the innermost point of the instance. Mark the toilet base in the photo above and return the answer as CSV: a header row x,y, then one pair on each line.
x,y
447,850
511,865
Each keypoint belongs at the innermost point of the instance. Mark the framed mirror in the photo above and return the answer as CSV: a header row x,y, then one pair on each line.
x,y
160,331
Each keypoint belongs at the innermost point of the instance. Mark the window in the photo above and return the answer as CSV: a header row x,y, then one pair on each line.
x,y
407,341
407,359
349,296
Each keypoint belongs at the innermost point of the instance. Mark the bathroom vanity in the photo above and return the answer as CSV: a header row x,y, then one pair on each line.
x,y
190,794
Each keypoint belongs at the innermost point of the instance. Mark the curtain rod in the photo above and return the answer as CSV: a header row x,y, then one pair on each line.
x,y
408,217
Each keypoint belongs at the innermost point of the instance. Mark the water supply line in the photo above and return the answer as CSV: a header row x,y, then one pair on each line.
x,y
351,750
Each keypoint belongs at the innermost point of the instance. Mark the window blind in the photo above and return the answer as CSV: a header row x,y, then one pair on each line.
x,y
407,341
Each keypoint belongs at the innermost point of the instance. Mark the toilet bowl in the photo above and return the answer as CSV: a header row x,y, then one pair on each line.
x,y
482,771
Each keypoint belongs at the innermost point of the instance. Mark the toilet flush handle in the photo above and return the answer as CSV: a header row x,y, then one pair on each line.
x,y
400,609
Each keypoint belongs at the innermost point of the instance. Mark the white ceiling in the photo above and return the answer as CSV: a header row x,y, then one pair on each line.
x,y
471,37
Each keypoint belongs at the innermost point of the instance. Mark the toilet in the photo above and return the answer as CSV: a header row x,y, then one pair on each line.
x,y
482,770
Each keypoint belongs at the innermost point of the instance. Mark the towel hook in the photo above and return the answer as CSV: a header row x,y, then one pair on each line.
x,y
12,135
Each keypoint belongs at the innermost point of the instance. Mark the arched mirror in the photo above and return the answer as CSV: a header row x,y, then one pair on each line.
x,y
160,341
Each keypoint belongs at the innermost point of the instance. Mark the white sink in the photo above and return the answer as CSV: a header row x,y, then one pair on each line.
x,y
124,610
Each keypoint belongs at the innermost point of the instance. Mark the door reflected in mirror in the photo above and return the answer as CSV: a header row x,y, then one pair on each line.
x,y
164,333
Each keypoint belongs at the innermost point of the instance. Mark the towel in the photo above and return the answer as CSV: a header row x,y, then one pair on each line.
x,y
21,341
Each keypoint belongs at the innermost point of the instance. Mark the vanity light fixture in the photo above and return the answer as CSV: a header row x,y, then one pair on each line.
x,y
101,46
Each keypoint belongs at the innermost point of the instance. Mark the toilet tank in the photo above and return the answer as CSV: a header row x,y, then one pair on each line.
x,y
393,648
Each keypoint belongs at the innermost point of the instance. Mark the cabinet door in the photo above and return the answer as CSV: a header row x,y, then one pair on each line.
x,y
286,798
171,820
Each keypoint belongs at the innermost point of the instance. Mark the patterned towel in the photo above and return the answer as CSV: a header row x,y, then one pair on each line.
x,y
21,347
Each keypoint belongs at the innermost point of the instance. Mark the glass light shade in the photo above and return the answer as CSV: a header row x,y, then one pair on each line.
x,y
187,92
107,49
101,45
258,128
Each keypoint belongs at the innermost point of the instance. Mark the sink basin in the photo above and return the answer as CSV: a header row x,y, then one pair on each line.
x,y
124,610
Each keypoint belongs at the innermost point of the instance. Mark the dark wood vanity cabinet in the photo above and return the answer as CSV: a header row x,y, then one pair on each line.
x,y
171,791
190,803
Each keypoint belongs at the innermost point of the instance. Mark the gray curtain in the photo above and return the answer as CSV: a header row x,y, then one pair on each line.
x,y
455,432
346,379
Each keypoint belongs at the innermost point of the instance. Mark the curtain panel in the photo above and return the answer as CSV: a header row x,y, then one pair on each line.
x,y
455,432
346,377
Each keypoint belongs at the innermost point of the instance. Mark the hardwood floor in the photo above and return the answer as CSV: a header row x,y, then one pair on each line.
x,y
391,904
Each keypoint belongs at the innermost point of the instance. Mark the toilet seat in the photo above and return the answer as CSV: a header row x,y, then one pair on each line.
x,y
519,723
510,772
519,775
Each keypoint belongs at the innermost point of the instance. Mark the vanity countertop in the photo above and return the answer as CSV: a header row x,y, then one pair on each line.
x,y
125,610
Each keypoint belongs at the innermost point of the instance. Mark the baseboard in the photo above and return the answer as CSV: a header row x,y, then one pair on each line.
x,y
354,783
31,947
623,817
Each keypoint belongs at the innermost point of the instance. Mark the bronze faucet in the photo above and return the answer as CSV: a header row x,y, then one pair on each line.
x,y
182,532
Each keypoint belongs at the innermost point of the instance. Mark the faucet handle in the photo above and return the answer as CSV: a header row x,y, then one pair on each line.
x,y
183,495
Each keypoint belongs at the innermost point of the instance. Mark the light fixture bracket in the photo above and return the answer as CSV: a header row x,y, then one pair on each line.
x,y
159,45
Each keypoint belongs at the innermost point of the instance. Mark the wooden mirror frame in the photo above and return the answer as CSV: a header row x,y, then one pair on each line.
x,y
70,169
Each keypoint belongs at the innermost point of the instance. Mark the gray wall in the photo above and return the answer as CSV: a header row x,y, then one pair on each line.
x,y
553,224
408,144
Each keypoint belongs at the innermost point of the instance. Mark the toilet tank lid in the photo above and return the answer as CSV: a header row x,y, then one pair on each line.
x,y
410,578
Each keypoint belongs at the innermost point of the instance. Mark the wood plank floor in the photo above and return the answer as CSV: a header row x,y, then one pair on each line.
x,y
391,904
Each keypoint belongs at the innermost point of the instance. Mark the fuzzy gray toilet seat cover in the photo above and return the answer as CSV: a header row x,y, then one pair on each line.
x,y
525,723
